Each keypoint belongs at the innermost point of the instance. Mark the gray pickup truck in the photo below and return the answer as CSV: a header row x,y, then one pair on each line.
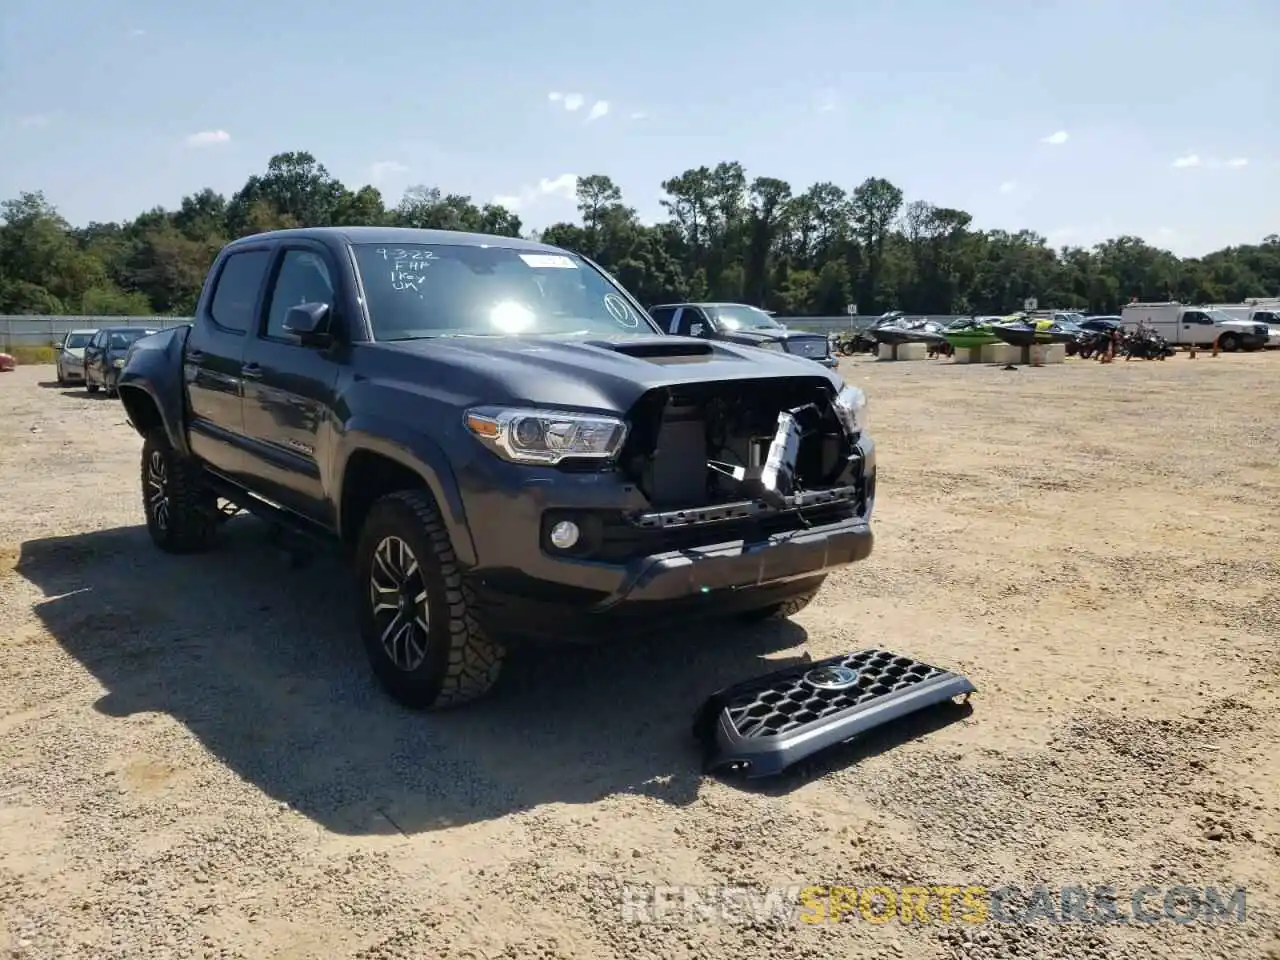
x,y
501,439
743,324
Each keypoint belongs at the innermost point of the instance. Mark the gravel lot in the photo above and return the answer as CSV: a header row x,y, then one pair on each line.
x,y
194,762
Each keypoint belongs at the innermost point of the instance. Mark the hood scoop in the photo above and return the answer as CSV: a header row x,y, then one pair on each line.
x,y
658,348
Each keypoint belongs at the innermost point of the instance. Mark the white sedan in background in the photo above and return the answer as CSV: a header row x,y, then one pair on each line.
x,y
71,356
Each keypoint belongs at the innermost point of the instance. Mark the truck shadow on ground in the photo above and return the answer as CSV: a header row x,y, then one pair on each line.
x,y
261,661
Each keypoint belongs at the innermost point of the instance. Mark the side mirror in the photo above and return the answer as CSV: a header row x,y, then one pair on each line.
x,y
309,322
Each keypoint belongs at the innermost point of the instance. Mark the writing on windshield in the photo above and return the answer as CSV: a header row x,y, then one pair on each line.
x,y
431,290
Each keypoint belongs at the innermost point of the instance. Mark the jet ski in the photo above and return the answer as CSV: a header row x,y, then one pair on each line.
x,y
894,328
970,332
1020,330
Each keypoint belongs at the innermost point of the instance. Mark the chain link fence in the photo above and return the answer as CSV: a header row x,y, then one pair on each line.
x,y
29,331
18,331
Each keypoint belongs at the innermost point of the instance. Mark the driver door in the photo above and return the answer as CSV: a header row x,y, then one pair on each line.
x,y
289,388
692,322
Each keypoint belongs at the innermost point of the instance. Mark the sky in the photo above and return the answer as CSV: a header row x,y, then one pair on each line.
x,y
1081,120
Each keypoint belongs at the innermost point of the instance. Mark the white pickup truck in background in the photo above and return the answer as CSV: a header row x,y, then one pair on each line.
x,y
1185,325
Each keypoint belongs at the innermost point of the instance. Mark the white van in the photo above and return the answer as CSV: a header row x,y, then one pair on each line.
x,y
1186,325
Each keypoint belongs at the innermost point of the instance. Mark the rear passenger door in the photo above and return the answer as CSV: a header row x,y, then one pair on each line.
x,y
227,312
663,316
289,387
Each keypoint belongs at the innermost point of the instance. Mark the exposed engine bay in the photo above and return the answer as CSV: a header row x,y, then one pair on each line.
x,y
760,440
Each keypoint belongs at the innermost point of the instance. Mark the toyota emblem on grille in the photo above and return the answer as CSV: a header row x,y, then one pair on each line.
x,y
831,678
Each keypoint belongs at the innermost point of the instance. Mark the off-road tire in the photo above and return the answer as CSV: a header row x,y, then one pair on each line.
x,y
786,609
461,662
188,524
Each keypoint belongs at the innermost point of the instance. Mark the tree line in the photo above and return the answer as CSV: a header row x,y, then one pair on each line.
x,y
726,237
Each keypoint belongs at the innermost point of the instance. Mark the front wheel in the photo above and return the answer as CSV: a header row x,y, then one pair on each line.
x,y
1229,343
417,617
179,507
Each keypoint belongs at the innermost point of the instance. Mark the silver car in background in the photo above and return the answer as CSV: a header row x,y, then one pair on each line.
x,y
71,356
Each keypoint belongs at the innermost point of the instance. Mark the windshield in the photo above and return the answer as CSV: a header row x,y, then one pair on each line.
x,y
1219,316
742,317
120,339
77,340
415,291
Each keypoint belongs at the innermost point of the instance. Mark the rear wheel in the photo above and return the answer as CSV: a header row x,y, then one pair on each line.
x,y
180,509
417,617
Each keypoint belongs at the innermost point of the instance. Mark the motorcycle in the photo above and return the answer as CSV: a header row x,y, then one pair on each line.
x,y
1145,346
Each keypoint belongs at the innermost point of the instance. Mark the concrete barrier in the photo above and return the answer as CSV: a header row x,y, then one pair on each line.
x,y
1049,353
999,353
902,351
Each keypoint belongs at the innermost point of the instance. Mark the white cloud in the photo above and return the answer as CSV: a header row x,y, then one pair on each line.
x,y
826,101
1056,139
598,109
137,32
563,187
1008,186
1194,160
207,138
555,96
381,169
35,120
639,115
574,101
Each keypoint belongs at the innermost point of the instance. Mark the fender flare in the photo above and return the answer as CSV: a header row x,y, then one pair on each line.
x,y
409,448
155,370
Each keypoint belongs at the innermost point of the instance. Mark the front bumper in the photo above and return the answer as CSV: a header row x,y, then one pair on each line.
x,y
636,566
71,369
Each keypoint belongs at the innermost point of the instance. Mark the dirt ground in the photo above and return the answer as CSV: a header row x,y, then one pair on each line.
x,y
194,761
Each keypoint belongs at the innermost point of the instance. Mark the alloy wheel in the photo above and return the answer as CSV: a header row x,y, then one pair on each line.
x,y
398,595
158,489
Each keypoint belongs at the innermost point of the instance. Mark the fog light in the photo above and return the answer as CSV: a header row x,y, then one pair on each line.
x,y
565,534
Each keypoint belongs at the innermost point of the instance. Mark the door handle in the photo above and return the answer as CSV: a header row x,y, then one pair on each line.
x,y
251,371
195,356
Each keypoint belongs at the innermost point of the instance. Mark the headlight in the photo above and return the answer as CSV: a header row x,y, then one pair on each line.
x,y
772,345
118,362
547,436
851,406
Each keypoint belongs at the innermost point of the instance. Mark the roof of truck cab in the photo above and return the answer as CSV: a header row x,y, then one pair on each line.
x,y
399,235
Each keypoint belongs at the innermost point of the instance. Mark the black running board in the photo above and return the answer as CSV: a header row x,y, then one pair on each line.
x,y
760,727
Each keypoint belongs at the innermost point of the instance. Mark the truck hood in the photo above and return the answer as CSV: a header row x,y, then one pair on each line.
x,y
587,374
753,337
1245,326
